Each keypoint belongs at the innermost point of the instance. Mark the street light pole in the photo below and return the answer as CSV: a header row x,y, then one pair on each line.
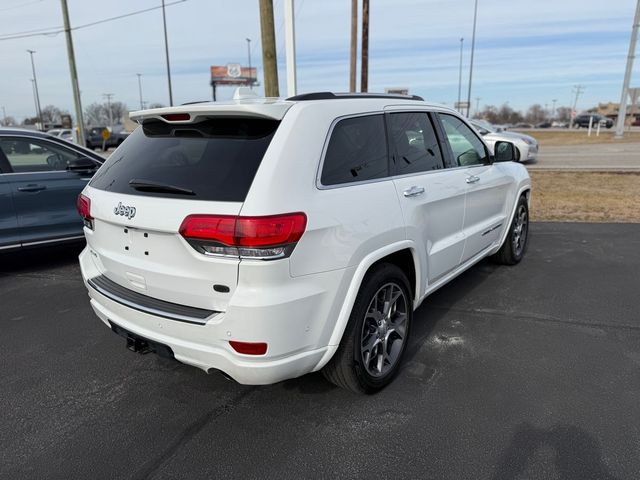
x,y
166,51
460,76
140,89
249,55
622,110
553,108
473,48
35,85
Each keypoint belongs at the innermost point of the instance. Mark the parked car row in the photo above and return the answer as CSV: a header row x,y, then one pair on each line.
x,y
94,140
40,178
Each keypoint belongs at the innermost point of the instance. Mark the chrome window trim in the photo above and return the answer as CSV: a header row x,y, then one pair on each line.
x,y
13,245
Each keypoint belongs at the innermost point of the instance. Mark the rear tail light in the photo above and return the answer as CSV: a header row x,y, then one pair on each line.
x,y
266,238
83,204
249,348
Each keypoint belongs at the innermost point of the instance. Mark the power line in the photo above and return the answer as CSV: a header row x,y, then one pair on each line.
x,y
56,30
20,5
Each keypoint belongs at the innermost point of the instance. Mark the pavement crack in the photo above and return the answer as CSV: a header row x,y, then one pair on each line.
x,y
152,466
536,317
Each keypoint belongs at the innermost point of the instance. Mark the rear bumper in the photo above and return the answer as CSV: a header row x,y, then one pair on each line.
x,y
296,323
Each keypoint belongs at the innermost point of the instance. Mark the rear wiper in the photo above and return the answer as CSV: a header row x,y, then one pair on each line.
x,y
151,186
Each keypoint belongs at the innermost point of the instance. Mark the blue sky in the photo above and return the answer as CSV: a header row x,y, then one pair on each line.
x,y
526,52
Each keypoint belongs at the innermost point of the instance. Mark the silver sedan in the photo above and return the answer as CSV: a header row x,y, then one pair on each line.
x,y
526,144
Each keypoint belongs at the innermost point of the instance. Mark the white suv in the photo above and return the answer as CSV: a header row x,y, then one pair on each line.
x,y
270,238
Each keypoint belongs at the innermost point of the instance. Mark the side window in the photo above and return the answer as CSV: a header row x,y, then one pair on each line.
x,y
357,151
417,148
467,148
26,155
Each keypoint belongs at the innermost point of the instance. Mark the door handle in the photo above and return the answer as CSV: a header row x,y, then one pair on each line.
x,y
413,191
32,188
473,179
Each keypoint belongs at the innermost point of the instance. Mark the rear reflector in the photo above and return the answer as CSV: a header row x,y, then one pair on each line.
x,y
246,236
248,348
177,117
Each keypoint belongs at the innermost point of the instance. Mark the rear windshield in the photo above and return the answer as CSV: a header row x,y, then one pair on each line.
x,y
215,159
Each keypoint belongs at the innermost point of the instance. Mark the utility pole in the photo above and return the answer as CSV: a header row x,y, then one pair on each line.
x,y
460,77
364,64
35,85
140,89
473,48
4,116
74,74
578,89
354,46
477,105
108,97
290,47
269,60
249,55
622,110
553,108
166,52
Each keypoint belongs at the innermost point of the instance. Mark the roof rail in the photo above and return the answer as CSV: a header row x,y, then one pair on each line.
x,y
194,103
333,96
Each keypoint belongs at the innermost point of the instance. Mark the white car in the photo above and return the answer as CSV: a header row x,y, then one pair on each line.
x,y
527,145
270,238
64,133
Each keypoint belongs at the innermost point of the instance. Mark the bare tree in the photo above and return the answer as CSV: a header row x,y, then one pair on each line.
x,y
8,121
51,114
563,114
502,115
535,114
97,114
118,111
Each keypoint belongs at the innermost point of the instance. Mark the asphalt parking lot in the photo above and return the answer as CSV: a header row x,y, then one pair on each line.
x,y
513,372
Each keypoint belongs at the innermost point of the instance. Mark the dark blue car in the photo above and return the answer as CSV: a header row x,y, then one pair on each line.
x,y
40,179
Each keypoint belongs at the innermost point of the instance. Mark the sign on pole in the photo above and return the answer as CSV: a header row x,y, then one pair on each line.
x,y
105,136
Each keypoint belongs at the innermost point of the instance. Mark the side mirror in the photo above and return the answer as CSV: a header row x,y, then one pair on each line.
x,y
82,164
505,152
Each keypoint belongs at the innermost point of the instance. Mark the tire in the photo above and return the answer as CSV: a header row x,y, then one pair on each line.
x,y
515,245
371,336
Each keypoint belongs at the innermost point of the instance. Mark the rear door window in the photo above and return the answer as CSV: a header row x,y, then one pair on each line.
x,y
357,151
416,144
214,160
